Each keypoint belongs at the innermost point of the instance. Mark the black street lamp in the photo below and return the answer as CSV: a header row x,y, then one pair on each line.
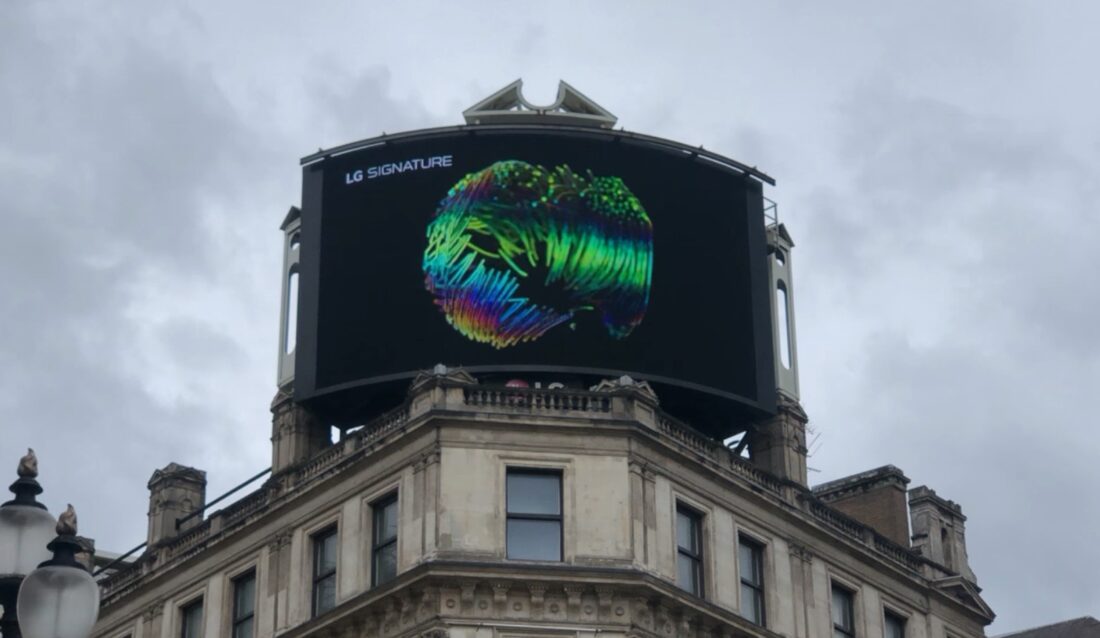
x,y
45,591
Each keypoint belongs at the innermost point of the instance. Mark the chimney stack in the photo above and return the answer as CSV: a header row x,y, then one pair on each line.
x,y
939,531
875,498
778,445
296,435
174,492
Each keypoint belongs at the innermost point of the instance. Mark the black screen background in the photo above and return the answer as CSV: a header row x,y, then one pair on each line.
x,y
374,320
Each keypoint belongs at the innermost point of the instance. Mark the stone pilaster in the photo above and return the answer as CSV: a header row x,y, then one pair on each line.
x,y
778,445
296,434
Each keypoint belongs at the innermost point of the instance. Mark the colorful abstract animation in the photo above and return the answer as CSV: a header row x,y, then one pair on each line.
x,y
516,249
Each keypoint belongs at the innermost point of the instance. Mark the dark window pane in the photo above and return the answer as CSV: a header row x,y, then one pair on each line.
x,y
243,629
685,531
386,522
244,600
687,574
685,568
324,553
751,559
192,621
689,531
324,571
534,540
895,626
324,595
384,552
752,604
842,610
385,563
534,493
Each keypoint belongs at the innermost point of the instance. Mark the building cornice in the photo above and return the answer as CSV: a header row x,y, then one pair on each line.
x,y
442,400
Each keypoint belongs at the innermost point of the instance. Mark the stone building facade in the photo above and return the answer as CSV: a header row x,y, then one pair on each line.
x,y
480,509
635,488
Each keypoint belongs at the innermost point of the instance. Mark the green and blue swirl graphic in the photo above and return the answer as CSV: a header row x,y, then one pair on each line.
x,y
515,250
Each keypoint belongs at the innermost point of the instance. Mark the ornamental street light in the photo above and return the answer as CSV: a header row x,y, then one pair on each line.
x,y
60,599
45,591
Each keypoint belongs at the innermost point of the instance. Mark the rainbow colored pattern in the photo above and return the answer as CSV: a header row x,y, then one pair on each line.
x,y
516,249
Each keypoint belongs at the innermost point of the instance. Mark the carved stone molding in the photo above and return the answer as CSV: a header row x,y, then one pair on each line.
x,y
538,598
643,615
153,611
429,600
409,606
355,628
634,608
500,593
392,611
663,620
573,595
280,540
375,622
801,552
467,595
605,596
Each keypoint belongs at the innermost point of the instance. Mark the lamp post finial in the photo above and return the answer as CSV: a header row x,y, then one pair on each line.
x,y
28,465
66,523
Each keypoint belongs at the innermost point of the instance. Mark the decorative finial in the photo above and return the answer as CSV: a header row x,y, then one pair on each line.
x,y
28,465
66,523
508,106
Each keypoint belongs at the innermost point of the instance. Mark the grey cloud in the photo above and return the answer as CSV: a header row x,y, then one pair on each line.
x,y
354,105
967,329
111,160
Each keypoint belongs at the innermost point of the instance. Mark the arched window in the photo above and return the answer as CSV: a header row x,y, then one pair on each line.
x,y
290,338
783,324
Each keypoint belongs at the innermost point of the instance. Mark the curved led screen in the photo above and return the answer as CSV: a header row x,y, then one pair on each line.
x,y
532,249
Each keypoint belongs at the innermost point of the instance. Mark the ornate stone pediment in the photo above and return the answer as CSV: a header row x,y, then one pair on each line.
x,y
967,593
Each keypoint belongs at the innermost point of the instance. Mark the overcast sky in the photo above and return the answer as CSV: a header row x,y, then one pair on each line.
x,y
937,166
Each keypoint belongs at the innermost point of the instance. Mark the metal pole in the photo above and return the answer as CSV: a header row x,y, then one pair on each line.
x,y
9,592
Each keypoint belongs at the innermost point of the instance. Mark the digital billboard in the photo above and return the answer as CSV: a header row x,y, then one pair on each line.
x,y
532,249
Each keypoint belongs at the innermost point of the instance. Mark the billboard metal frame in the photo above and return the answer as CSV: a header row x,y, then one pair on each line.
x,y
309,289
475,129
